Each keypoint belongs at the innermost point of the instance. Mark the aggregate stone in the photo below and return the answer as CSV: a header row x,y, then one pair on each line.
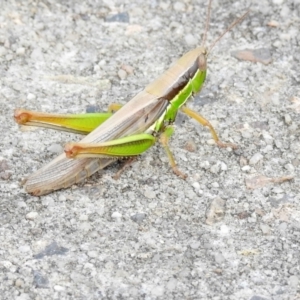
x,y
148,234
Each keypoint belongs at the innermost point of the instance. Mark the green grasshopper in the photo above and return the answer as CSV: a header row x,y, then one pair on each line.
x,y
130,131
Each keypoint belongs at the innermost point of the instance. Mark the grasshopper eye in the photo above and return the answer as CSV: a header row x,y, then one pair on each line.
x,y
202,62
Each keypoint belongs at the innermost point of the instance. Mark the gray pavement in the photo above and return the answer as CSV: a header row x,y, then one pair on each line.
x,y
230,231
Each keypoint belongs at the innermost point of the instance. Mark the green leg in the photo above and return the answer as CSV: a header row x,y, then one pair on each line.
x,y
164,139
206,123
76,123
119,148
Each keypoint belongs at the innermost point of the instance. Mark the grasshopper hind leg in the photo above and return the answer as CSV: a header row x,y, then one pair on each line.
x,y
126,164
75,123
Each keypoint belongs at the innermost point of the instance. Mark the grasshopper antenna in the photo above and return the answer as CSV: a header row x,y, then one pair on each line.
x,y
229,28
206,24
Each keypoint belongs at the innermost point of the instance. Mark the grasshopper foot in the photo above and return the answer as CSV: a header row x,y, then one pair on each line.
x,y
225,145
179,173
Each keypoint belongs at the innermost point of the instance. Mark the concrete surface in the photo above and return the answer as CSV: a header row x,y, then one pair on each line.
x,y
230,231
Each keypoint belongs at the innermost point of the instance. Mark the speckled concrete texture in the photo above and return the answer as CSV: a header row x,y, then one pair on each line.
x,y
230,231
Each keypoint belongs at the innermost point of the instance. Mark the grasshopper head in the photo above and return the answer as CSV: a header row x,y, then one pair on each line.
x,y
202,58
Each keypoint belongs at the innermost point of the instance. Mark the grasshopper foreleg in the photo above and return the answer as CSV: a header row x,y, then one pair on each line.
x,y
206,123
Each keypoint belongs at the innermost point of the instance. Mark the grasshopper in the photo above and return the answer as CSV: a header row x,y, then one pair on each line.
x,y
130,131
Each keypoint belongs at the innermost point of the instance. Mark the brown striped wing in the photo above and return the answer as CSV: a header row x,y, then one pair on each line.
x,y
134,117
